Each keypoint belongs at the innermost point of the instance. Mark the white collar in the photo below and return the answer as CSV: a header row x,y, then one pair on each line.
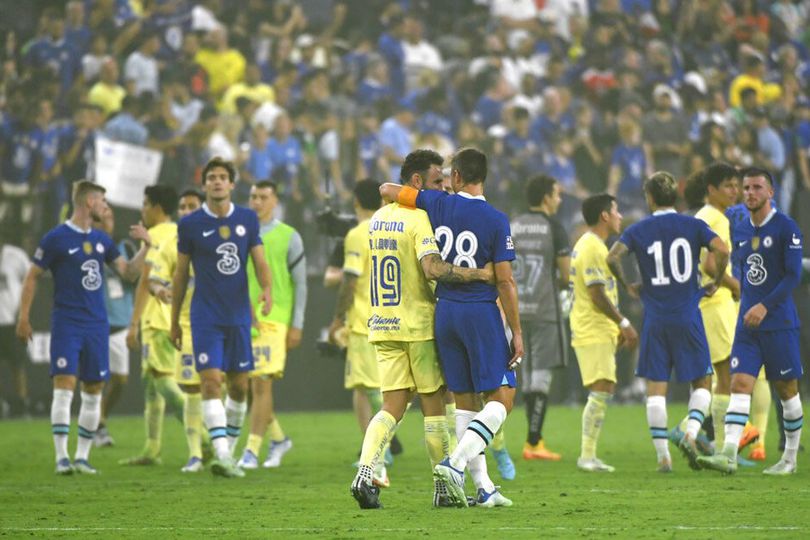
x,y
213,215
765,221
664,212
77,228
468,196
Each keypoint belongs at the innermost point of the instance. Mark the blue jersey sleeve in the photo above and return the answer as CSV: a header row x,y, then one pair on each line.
x,y
183,237
706,235
254,238
792,258
504,249
110,249
45,252
628,238
427,199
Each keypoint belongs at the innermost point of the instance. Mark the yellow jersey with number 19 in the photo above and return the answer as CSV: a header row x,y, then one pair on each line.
x,y
402,300
588,267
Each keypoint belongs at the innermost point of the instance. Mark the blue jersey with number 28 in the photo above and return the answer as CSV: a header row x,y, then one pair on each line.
x,y
667,247
470,232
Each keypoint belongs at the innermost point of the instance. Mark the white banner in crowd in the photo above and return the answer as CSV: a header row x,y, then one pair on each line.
x,y
125,170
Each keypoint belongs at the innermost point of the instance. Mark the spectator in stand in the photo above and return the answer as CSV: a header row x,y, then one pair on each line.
x,y
258,163
396,140
665,133
589,157
770,148
126,125
375,85
95,58
225,66
287,156
50,192
489,107
370,160
76,31
753,77
554,119
14,265
52,51
183,105
523,152
252,88
390,47
77,148
628,168
107,93
187,66
142,70
419,54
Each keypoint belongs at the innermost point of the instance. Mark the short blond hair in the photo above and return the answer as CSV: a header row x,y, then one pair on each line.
x,y
82,188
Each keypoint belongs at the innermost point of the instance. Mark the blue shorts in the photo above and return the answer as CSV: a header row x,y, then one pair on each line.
x,y
472,347
81,351
679,345
226,348
777,350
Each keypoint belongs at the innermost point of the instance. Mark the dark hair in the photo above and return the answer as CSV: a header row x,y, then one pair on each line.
x,y
593,206
191,192
694,190
367,193
267,184
418,162
747,91
471,164
520,113
716,173
219,162
751,172
83,188
163,196
662,188
538,187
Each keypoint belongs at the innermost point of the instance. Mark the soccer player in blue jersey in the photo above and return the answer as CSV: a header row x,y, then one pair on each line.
x,y
217,240
770,249
75,254
473,348
667,247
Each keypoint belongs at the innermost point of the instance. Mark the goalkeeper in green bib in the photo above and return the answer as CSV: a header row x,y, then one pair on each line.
x,y
277,332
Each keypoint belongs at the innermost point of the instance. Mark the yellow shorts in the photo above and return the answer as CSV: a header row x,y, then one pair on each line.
x,y
408,365
596,362
720,321
361,363
185,372
157,351
269,350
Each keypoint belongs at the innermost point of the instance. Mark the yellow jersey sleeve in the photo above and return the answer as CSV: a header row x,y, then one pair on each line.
x,y
719,224
355,252
356,263
157,315
423,238
589,267
593,265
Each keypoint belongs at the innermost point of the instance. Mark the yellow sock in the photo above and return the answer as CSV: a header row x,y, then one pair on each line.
x,y
170,390
254,443
760,407
718,408
276,433
436,439
593,416
193,422
498,441
378,432
450,414
153,417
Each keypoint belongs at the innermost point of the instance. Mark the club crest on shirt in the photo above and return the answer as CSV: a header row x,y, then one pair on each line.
x,y
767,241
100,247
224,232
240,230
87,247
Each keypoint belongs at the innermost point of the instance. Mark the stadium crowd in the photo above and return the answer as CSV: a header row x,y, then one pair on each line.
x,y
318,94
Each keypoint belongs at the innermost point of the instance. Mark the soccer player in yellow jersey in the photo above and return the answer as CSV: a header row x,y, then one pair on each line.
x,y
160,280
597,325
403,256
152,315
352,309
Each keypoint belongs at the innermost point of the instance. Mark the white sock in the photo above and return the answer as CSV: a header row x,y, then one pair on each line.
x,y
234,414
478,464
463,419
60,421
792,419
739,407
657,420
478,434
89,416
214,418
699,403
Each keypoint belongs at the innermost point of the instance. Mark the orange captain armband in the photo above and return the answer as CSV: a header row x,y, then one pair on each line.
x,y
407,196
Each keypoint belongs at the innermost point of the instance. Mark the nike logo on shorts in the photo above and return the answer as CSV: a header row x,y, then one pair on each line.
x,y
784,371
103,373
206,234
244,364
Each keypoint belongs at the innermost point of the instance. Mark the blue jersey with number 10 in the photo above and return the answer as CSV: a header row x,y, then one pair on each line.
x,y
470,232
219,248
667,247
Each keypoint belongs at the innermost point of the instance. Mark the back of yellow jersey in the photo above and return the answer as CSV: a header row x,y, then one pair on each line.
x,y
588,267
720,225
163,271
356,263
402,300
157,315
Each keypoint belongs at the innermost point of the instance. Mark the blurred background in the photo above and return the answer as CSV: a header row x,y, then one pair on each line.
x,y
317,94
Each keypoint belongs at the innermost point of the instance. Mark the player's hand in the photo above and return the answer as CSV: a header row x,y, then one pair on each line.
x,y
634,290
710,289
488,273
334,328
293,338
735,289
517,351
24,330
628,337
176,335
267,301
164,295
753,318
139,232
132,338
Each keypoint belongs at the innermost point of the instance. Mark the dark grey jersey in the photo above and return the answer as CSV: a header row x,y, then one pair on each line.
x,y
539,240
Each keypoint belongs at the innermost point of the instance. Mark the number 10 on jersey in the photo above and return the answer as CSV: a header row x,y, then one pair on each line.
x,y
386,281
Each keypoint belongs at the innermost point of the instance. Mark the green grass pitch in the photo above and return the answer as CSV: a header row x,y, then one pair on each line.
x,y
308,497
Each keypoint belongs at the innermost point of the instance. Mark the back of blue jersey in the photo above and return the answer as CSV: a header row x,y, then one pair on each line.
x,y
667,247
76,260
470,232
219,248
